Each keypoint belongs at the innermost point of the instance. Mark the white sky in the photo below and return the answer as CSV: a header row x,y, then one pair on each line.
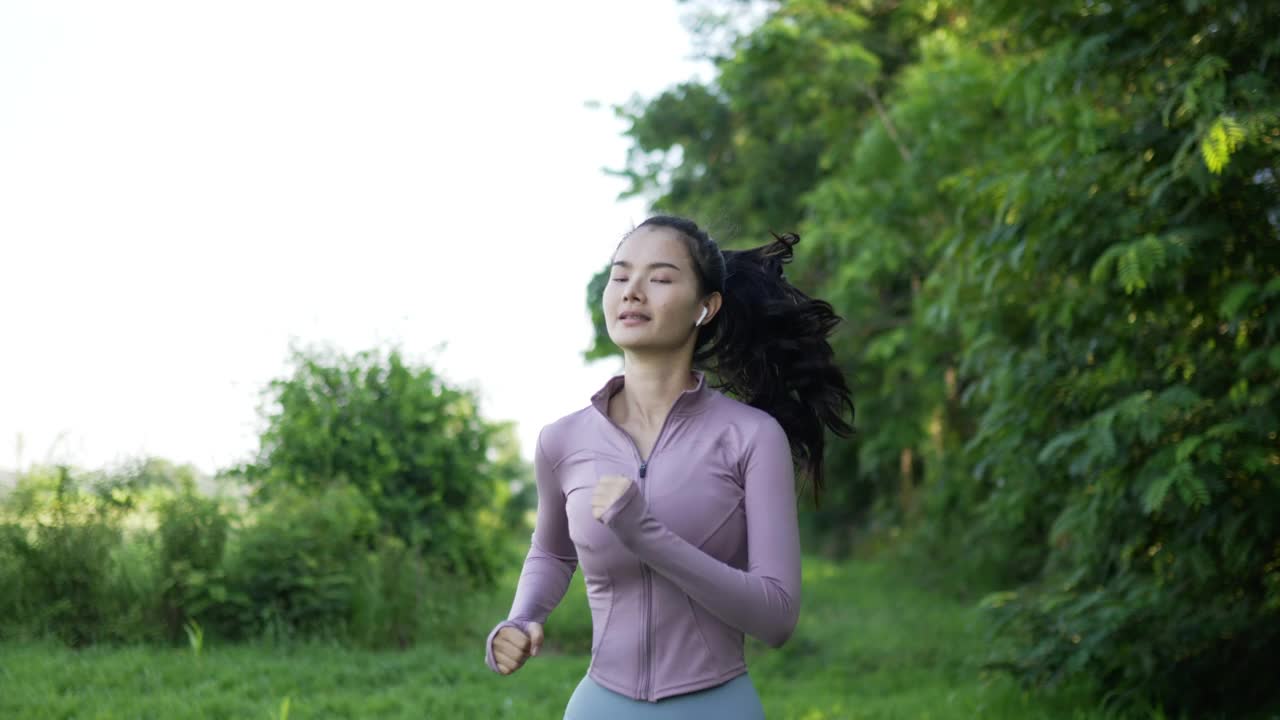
x,y
184,187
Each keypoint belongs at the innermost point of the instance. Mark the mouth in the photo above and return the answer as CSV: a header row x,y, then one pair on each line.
x,y
632,318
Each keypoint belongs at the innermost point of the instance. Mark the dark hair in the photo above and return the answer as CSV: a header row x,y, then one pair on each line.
x,y
768,344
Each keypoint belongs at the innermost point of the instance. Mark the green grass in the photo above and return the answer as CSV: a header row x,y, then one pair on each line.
x,y
870,644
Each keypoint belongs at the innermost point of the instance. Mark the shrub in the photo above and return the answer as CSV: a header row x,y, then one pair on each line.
x,y
293,569
64,552
414,447
191,538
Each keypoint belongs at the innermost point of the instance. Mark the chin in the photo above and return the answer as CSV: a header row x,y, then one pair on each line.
x,y
647,347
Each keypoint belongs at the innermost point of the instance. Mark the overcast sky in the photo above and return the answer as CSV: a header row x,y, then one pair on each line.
x,y
187,187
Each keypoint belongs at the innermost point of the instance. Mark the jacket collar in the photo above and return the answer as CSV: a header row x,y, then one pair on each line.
x,y
690,402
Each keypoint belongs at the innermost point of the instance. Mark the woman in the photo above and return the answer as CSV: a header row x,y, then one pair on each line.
x,y
678,500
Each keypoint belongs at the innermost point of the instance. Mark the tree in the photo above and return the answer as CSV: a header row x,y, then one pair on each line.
x,y
1052,229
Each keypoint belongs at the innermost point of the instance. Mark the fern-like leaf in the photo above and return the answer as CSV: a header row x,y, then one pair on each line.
x,y
1153,497
1224,137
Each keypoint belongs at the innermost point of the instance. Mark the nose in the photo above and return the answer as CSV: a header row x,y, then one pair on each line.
x,y
629,289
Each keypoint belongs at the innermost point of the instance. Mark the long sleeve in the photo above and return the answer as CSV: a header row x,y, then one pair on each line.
x,y
550,562
762,601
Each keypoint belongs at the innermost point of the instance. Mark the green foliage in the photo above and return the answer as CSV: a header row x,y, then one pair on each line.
x,y
1139,452
414,447
296,565
12,536
192,535
1052,231
94,557
403,598
601,345
379,493
60,557
195,637
391,587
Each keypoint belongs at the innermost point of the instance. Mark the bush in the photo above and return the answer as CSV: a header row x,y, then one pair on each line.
x,y
65,577
293,570
11,589
414,447
192,537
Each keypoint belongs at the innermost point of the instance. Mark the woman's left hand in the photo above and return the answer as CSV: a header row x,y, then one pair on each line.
x,y
608,489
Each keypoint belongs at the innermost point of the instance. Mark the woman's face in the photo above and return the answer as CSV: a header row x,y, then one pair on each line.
x,y
651,299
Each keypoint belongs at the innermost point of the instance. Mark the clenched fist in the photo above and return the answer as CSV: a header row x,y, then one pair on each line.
x,y
511,647
608,489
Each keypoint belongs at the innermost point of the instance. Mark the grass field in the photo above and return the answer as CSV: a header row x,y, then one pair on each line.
x,y
870,644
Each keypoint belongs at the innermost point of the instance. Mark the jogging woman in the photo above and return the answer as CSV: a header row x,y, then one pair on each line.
x,y
677,500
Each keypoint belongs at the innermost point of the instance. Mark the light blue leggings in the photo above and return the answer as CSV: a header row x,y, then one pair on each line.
x,y
733,700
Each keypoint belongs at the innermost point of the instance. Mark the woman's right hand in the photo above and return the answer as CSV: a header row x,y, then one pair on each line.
x,y
511,647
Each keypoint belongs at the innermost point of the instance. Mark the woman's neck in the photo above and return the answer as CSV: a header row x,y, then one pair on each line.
x,y
650,391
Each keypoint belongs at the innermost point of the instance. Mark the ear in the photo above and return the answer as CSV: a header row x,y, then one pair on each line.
x,y
710,307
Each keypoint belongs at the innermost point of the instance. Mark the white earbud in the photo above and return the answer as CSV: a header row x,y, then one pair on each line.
x,y
704,314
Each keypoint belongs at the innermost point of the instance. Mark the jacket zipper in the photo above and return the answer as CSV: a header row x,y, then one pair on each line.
x,y
648,624
647,601
646,597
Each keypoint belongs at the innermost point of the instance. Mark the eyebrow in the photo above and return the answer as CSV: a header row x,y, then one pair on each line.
x,y
625,264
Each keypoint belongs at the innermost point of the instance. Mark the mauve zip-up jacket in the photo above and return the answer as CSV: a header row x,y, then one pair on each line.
x,y
700,549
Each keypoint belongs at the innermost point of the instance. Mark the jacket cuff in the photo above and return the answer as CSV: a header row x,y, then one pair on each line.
x,y
626,510
488,643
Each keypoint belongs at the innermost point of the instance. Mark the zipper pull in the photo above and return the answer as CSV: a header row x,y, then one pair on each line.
x,y
643,465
